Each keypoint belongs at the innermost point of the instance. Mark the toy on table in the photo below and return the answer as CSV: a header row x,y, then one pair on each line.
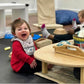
x,y
68,50
61,43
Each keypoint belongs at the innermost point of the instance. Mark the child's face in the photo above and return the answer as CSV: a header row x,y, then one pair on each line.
x,y
81,19
22,32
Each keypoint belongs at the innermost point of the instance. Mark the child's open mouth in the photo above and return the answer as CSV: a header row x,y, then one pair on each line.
x,y
23,35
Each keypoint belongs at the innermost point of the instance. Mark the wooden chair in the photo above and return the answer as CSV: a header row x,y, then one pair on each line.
x,y
46,14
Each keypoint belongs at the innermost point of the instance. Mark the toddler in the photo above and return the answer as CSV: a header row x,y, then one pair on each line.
x,y
23,47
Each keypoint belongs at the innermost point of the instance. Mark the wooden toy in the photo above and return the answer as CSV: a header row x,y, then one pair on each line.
x,y
43,42
69,50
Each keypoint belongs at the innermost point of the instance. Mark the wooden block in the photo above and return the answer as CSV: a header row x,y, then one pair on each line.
x,y
43,42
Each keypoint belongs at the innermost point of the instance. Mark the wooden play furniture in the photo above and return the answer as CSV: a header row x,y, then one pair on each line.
x,y
43,42
70,50
47,55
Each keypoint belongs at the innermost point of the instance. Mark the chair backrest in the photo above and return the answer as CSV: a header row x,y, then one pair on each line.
x,y
46,12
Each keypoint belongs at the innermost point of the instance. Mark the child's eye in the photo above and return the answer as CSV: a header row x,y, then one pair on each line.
x,y
19,29
25,28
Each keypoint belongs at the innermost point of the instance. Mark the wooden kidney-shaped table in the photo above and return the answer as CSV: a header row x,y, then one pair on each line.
x,y
47,55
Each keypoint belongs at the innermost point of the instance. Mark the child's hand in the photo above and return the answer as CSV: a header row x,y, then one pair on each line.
x,y
33,64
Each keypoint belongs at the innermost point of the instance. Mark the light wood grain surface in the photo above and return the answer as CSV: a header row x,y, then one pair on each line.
x,y
47,54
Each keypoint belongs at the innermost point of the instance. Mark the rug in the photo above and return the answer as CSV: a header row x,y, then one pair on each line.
x,y
61,75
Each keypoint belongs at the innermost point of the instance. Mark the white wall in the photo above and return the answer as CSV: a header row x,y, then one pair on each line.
x,y
59,4
70,4
32,4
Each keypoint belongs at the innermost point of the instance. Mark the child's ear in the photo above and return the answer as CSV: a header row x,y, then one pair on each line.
x,y
13,33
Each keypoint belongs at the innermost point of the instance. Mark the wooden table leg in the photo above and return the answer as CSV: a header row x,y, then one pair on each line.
x,y
44,67
82,75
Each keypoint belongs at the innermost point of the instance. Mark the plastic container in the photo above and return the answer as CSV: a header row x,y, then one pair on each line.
x,y
36,36
8,36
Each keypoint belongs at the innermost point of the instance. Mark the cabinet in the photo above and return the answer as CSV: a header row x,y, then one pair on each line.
x,y
18,11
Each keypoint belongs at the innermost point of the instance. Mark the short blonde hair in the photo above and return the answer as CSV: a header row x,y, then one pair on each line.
x,y
16,23
81,13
